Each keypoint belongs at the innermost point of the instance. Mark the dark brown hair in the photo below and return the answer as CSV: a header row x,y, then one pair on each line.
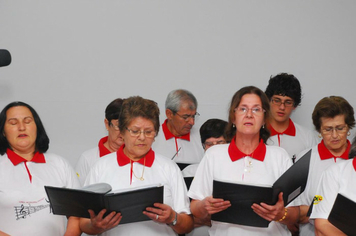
x,y
42,140
235,102
136,106
332,106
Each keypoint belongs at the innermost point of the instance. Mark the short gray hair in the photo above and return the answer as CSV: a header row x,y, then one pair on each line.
x,y
176,97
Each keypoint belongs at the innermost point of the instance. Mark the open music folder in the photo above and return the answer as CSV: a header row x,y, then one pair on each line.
x,y
130,202
343,215
292,183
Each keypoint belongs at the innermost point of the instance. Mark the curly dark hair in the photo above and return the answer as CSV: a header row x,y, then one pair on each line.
x,y
285,85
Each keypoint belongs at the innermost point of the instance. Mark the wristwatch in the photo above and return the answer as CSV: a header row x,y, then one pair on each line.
x,y
175,220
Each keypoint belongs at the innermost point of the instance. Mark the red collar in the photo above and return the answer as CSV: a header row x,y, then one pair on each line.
x,y
102,149
289,131
326,154
354,163
122,159
16,159
169,135
258,154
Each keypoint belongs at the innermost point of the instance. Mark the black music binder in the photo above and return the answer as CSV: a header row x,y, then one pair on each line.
x,y
130,202
343,215
292,183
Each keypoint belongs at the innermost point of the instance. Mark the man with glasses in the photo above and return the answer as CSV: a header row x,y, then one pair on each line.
x,y
179,140
284,93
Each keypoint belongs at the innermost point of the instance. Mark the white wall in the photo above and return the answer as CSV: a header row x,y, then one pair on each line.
x,y
72,57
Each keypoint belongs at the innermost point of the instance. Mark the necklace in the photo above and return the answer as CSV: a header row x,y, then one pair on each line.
x,y
248,162
143,170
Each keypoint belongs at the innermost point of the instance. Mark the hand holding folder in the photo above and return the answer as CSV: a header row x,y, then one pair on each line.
x,y
292,183
130,202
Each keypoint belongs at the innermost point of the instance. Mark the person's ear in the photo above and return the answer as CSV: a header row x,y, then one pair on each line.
x,y
169,114
107,125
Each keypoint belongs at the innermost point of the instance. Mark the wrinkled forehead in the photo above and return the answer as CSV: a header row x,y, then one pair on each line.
x,y
187,107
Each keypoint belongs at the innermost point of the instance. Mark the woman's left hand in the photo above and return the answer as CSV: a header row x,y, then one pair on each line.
x,y
160,213
270,212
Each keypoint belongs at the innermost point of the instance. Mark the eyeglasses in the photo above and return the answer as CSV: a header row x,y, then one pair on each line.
x,y
278,102
146,133
258,111
187,117
337,129
116,127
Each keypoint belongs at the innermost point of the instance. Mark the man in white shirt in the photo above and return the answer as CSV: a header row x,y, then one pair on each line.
x,y
179,140
284,93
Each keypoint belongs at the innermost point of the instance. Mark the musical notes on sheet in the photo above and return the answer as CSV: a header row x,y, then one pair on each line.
x,y
21,212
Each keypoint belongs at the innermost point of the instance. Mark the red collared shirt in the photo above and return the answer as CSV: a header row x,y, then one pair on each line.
x,y
169,135
289,131
122,159
326,154
16,159
235,154
102,149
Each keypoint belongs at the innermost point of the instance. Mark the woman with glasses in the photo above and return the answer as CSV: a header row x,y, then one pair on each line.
x,y
338,179
135,164
333,118
108,144
247,160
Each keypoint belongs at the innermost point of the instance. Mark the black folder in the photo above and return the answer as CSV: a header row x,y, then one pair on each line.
x,y
130,202
343,215
188,181
183,165
292,183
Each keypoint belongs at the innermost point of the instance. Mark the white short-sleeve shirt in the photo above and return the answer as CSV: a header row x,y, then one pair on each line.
x,y
320,160
162,171
89,158
294,140
339,178
24,206
217,165
187,149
